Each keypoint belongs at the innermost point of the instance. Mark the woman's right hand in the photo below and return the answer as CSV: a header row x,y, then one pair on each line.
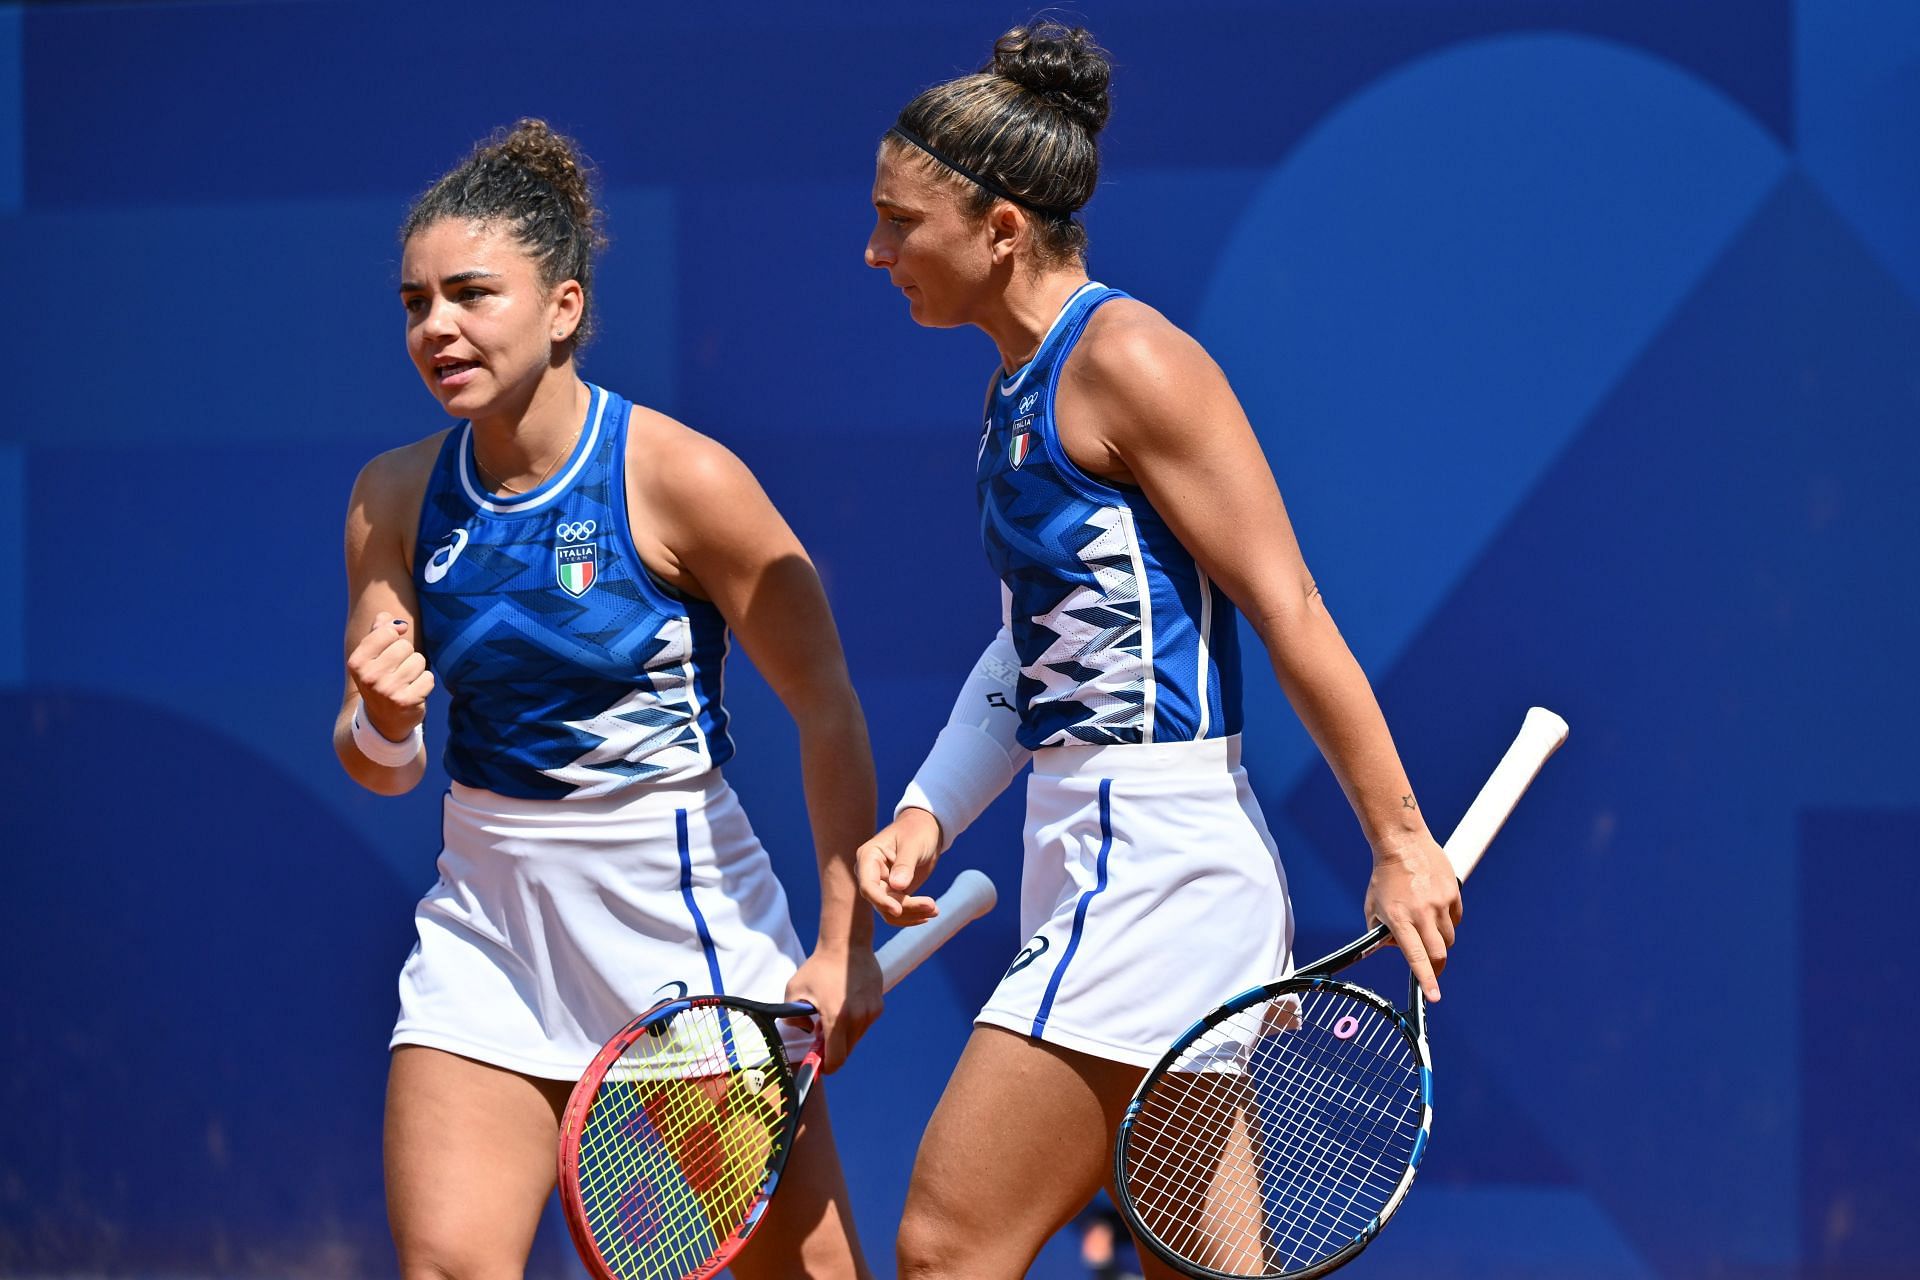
x,y
392,677
897,861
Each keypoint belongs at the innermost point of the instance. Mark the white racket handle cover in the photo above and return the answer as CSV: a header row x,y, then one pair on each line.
x,y
970,896
1540,736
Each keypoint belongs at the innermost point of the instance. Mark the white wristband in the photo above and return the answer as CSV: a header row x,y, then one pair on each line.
x,y
380,749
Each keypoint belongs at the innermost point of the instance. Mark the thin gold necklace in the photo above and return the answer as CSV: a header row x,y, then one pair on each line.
x,y
501,486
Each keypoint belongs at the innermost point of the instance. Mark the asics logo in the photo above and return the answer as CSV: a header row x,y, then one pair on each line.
x,y
442,560
1028,954
577,531
664,994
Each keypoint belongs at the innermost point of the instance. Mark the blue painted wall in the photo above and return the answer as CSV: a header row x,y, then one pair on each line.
x,y
1583,335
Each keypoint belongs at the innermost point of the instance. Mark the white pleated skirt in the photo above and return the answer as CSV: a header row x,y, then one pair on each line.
x,y
1151,892
555,922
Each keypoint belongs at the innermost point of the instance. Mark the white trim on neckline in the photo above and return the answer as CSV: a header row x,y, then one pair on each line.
x,y
546,493
1009,388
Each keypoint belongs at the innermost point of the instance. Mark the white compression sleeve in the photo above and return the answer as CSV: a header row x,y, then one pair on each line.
x,y
976,755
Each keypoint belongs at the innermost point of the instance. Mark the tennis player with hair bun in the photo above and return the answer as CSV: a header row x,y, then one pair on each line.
x,y
569,565
1131,518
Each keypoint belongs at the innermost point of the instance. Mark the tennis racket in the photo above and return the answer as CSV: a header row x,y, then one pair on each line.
x,y
1283,1129
674,1139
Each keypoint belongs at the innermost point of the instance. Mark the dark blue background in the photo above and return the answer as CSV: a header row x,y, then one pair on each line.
x,y
1583,336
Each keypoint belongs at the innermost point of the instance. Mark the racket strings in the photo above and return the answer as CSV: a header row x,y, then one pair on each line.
x,y
1203,1174
1213,1203
678,1141
1340,1178
1299,1188
1279,1136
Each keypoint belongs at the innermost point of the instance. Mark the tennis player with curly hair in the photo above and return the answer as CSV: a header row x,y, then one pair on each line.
x,y
570,566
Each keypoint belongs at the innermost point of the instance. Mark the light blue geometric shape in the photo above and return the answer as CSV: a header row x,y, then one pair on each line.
x,y
1698,582
1435,290
1857,100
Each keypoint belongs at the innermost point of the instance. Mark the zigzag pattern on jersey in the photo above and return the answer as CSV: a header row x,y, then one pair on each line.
x,y
1121,636
1077,605
556,695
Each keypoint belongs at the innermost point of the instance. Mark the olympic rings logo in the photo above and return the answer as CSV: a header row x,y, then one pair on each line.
x,y
578,531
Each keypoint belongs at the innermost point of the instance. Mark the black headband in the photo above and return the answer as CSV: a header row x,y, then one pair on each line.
x,y
984,183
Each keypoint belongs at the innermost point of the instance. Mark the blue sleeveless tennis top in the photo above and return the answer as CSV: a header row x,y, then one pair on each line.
x,y
1121,636
573,672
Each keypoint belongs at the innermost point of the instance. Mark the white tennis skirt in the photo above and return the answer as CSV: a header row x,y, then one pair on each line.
x,y
1152,891
554,922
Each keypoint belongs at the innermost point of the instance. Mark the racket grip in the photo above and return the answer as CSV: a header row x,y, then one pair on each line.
x,y
970,896
1540,736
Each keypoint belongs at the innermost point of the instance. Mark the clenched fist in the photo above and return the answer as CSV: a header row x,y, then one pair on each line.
x,y
392,677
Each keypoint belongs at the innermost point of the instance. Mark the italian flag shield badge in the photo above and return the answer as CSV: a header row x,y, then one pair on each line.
x,y
1021,442
575,569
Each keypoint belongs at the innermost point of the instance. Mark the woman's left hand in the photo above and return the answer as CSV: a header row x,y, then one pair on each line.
x,y
844,985
1415,894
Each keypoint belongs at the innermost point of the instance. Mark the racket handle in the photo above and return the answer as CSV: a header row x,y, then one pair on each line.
x,y
970,896
1540,736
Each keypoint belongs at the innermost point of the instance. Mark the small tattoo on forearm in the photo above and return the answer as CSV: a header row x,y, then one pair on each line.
x,y
1406,801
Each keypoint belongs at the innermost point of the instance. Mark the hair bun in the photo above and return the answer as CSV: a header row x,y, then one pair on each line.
x,y
1063,65
554,159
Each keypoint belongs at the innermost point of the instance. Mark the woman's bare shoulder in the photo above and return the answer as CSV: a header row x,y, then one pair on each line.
x,y
671,462
392,483
1132,350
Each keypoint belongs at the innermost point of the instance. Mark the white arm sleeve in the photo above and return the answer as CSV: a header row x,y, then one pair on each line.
x,y
976,755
